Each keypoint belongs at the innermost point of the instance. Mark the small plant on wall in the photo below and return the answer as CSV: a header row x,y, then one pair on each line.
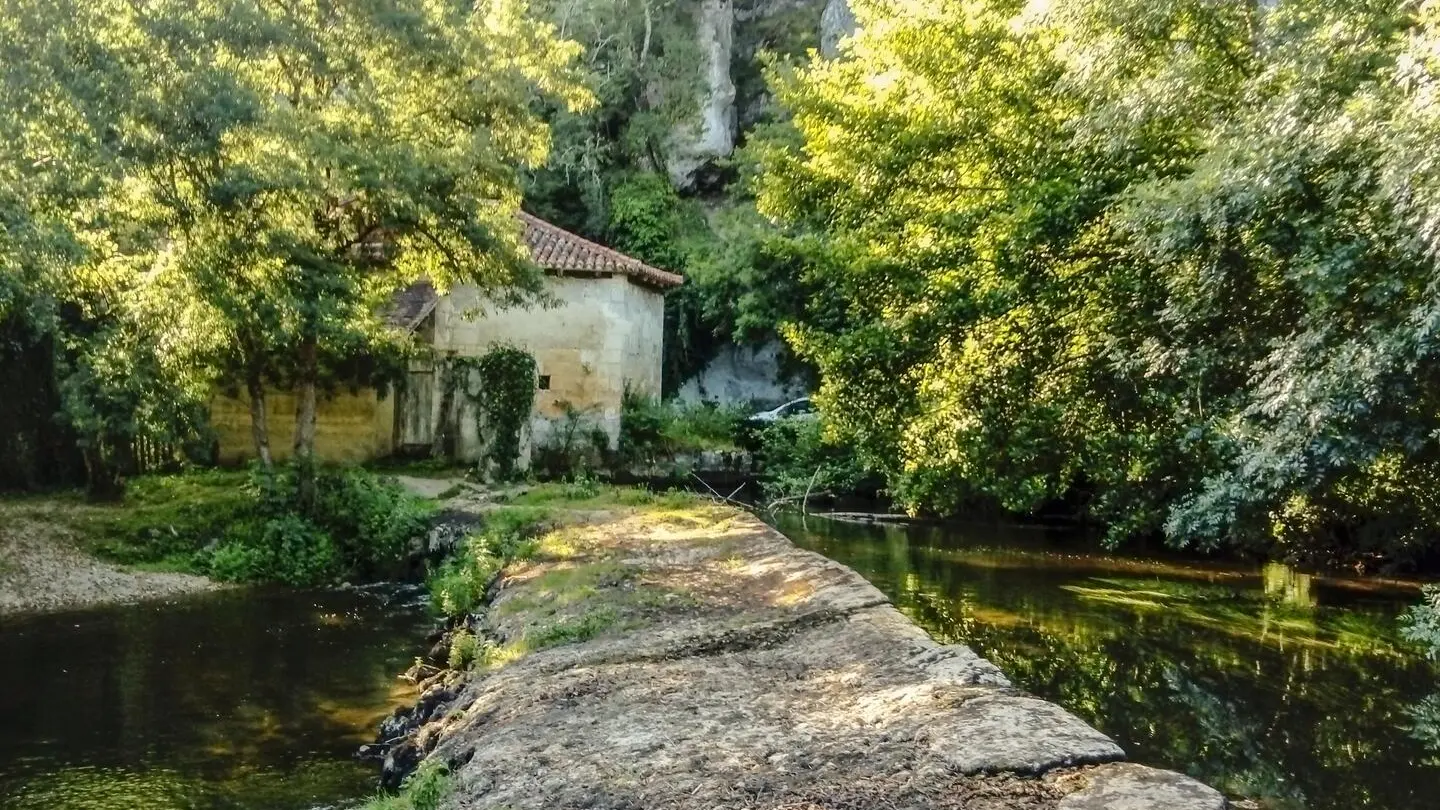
x,y
504,400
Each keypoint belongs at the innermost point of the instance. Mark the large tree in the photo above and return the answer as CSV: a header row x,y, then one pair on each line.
x,y
281,166
1168,262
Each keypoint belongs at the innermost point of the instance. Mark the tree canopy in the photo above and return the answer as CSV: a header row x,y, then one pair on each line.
x,y
1168,265
270,172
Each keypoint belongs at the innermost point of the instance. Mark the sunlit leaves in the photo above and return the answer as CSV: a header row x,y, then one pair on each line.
x,y
1172,263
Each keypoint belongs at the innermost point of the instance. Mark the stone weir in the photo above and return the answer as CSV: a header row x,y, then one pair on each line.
x,y
692,657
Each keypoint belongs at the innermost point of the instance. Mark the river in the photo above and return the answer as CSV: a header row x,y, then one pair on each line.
x,y
237,700
1284,690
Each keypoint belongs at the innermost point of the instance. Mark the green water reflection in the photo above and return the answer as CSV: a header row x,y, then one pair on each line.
x,y
1282,689
240,700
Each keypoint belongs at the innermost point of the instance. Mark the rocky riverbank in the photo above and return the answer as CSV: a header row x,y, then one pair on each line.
x,y
690,656
43,568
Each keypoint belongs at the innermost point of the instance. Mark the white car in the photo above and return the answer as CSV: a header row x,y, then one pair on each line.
x,y
799,408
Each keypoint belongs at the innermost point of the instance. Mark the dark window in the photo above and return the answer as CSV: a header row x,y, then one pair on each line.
x,y
544,382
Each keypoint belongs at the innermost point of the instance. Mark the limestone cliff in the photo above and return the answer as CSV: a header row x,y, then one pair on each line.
x,y
836,23
712,134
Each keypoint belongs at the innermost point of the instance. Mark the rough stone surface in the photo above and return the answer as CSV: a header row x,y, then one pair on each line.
x,y
735,670
1021,735
693,144
743,375
836,23
1126,786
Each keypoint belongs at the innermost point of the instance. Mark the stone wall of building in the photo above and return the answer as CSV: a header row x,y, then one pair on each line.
x,y
349,427
597,335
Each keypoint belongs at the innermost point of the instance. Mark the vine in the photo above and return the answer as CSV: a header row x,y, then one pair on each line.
x,y
503,396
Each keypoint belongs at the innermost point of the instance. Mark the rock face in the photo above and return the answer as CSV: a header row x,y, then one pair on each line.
x,y
1135,787
742,375
720,666
836,23
696,143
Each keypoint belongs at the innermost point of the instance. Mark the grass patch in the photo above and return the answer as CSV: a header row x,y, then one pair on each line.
x,y
651,428
240,526
424,789
568,630
164,519
458,587
557,589
598,496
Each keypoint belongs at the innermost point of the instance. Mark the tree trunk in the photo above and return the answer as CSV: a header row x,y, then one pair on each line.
x,y
102,482
305,384
259,421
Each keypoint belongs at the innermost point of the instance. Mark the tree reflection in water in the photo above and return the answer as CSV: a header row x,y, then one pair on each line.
x,y
1289,690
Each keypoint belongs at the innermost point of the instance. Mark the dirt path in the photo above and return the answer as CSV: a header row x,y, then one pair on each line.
x,y
41,569
694,658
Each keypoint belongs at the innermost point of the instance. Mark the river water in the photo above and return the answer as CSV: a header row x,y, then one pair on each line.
x,y
1286,691
238,700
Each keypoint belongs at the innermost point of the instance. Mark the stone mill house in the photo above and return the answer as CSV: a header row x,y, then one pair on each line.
x,y
601,333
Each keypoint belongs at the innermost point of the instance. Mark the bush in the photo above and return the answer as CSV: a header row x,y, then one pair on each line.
x,y
249,528
287,548
1422,623
424,789
795,458
464,650
650,428
458,587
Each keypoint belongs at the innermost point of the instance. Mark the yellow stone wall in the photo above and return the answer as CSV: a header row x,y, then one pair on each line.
x,y
348,427
596,336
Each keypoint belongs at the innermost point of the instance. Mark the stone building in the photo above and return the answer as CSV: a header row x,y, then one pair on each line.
x,y
601,331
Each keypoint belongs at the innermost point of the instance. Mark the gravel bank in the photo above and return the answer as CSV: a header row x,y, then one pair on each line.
x,y
42,569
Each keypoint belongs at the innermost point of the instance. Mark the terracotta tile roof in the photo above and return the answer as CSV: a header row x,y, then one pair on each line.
x,y
556,250
410,306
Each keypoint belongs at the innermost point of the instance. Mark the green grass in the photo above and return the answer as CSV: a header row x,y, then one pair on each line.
x,y
458,587
164,519
604,497
424,789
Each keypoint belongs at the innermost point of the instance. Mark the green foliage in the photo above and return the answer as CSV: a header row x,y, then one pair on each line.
x,y
245,219
1162,265
796,457
458,587
286,548
1422,623
465,650
248,527
650,428
425,789
505,398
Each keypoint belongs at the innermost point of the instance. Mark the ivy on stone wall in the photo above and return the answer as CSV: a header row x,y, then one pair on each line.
x,y
503,394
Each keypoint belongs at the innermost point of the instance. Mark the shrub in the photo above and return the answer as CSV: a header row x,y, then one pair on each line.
x,y
1422,623
795,457
240,527
458,587
372,519
424,789
286,548
465,650
651,428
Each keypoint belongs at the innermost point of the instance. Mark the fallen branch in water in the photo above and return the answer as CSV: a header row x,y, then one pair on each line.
x,y
730,499
824,493
867,517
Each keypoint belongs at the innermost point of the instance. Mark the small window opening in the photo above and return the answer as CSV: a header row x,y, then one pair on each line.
x,y
544,382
